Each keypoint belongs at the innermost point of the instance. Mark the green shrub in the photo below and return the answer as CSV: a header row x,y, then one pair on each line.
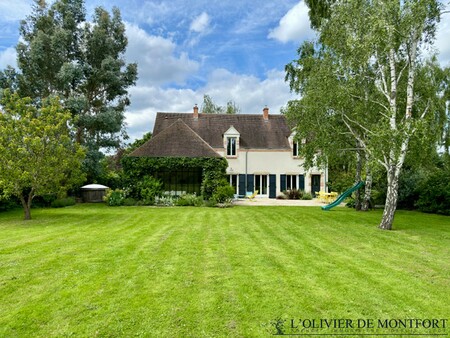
x,y
223,193
8,203
129,202
210,203
145,190
341,181
293,194
114,198
213,177
408,192
189,200
435,193
350,202
44,201
112,179
149,188
164,201
63,202
306,196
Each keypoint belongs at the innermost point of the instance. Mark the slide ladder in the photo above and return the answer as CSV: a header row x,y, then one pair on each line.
x,y
343,196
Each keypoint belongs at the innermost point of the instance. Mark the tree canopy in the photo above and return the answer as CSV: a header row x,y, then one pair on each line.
x,y
209,107
38,155
368,74
61,53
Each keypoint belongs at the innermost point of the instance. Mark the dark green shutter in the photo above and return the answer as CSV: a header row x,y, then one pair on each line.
x,y
241,185
301,182
272,186
282,182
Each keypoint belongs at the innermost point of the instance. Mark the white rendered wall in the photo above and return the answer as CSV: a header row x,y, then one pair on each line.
x,y
270,162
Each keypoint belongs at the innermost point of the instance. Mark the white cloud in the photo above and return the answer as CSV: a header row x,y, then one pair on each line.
x,y
148,100
294,25
250,93
201,23
156,58
8,57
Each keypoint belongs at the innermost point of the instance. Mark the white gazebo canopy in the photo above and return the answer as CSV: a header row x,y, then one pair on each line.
x,y
94,187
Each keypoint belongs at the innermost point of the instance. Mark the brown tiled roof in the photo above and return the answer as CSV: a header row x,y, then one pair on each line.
x,y
176,140
255,132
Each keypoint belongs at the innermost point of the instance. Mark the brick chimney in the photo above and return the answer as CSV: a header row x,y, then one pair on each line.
x,y
195,112
266,113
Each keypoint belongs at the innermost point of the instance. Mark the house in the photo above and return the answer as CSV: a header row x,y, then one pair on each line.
x,y
260,149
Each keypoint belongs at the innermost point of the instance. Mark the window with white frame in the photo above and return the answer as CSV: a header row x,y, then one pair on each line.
x,y
231,146
261,184
233,180
291,182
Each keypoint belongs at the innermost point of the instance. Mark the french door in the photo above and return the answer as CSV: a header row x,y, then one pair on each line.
x,y
261,184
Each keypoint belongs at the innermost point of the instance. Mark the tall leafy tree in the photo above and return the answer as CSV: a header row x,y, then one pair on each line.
x,y
82,62
384,91
322,135
9,79
319,10
138,142
209,107
38,155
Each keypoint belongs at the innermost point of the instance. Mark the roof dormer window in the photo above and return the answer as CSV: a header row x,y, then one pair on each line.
x,y
231,142
231,146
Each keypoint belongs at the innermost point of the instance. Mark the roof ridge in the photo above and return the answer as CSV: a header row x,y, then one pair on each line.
x,y
221,114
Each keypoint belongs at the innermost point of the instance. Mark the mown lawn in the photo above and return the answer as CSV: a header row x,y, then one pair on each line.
x,y
92,270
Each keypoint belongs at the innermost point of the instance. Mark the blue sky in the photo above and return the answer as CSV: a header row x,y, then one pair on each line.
x,y
231,50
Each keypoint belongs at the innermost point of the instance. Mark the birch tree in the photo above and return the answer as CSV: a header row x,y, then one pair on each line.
x,y
381,43
324,94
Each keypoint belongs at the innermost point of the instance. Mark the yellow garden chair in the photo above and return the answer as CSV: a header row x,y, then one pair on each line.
x,y
251,196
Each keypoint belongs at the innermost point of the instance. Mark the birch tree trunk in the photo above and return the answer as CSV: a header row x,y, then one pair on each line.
x,y
390,205
391,199
395,160
358,176
367,188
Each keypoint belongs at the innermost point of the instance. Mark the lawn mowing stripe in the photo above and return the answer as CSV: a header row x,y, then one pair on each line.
x,y
322,241
175,273
220,299
214,272
114,242
153,243
340,257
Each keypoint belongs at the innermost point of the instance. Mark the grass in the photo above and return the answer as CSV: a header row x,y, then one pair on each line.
x,y
92,270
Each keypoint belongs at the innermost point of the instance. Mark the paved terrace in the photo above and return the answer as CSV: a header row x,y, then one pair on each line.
x,y
274,202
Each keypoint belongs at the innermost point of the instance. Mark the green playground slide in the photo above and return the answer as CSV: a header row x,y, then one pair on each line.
x,y
344,195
